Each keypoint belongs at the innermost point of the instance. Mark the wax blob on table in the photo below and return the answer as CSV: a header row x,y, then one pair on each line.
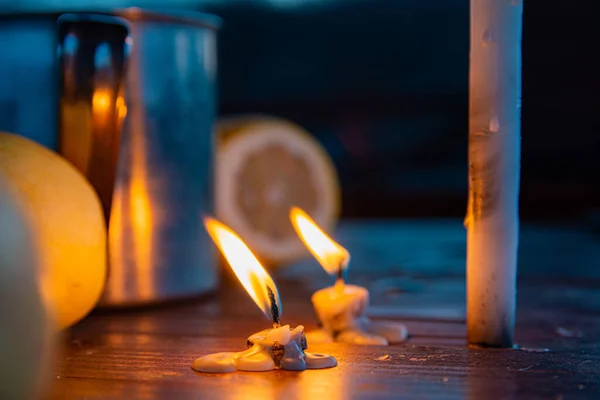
x,y
341,310
270,349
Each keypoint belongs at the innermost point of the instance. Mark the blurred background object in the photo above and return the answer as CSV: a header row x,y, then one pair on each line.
x,y
265,165
383,86
26,329
65,222
128,97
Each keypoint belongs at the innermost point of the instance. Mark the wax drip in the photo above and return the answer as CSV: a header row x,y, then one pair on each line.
x,y
274,307
264,354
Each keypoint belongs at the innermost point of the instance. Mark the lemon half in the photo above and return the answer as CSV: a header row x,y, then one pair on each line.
x,y
265,165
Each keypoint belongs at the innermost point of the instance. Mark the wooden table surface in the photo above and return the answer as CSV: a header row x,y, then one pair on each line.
x,y
415,273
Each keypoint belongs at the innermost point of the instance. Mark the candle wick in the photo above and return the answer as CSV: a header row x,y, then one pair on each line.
x,y
340,275
341,272
274,307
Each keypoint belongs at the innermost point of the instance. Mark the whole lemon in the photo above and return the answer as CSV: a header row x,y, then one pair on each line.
x,y
67,223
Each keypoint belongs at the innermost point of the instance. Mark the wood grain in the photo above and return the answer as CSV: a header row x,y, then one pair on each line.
x,y
147,353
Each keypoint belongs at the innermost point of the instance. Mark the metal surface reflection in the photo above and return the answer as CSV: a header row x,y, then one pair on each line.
x,y
93,57
136,116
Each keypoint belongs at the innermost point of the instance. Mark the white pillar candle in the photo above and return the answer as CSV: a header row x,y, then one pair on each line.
x,y
494,161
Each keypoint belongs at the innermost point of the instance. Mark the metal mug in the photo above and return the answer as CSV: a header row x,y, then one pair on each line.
x,y
134,107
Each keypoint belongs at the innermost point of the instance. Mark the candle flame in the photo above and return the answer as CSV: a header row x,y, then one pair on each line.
x,y
257,282
332,257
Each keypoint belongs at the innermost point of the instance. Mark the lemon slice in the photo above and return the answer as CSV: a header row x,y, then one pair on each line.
x,y
265,165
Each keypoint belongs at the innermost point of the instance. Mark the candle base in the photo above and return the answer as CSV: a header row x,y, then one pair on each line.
x,y
278,348
342,312
367,332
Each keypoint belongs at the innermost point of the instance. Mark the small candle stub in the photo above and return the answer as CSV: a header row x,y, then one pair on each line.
x,y
342,313
277,348
341,309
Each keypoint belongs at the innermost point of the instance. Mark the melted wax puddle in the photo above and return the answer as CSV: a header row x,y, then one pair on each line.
x,y
365,332
266,354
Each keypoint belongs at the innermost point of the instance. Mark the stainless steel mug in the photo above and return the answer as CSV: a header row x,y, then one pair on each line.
x,y
132,100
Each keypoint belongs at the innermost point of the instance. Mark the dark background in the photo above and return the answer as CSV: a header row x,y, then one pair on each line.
x,y
384,85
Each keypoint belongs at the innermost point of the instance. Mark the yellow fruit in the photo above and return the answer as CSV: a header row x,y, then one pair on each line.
x,y
265,165
25,327
67,224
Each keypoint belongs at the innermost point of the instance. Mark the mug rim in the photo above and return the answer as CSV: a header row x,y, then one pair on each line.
x,y
133,14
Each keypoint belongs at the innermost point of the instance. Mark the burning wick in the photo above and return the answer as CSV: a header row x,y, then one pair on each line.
x,y
341,274
341,309
279,348
274,308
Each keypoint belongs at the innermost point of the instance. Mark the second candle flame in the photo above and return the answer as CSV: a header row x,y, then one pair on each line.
x,y
332,257
257,282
